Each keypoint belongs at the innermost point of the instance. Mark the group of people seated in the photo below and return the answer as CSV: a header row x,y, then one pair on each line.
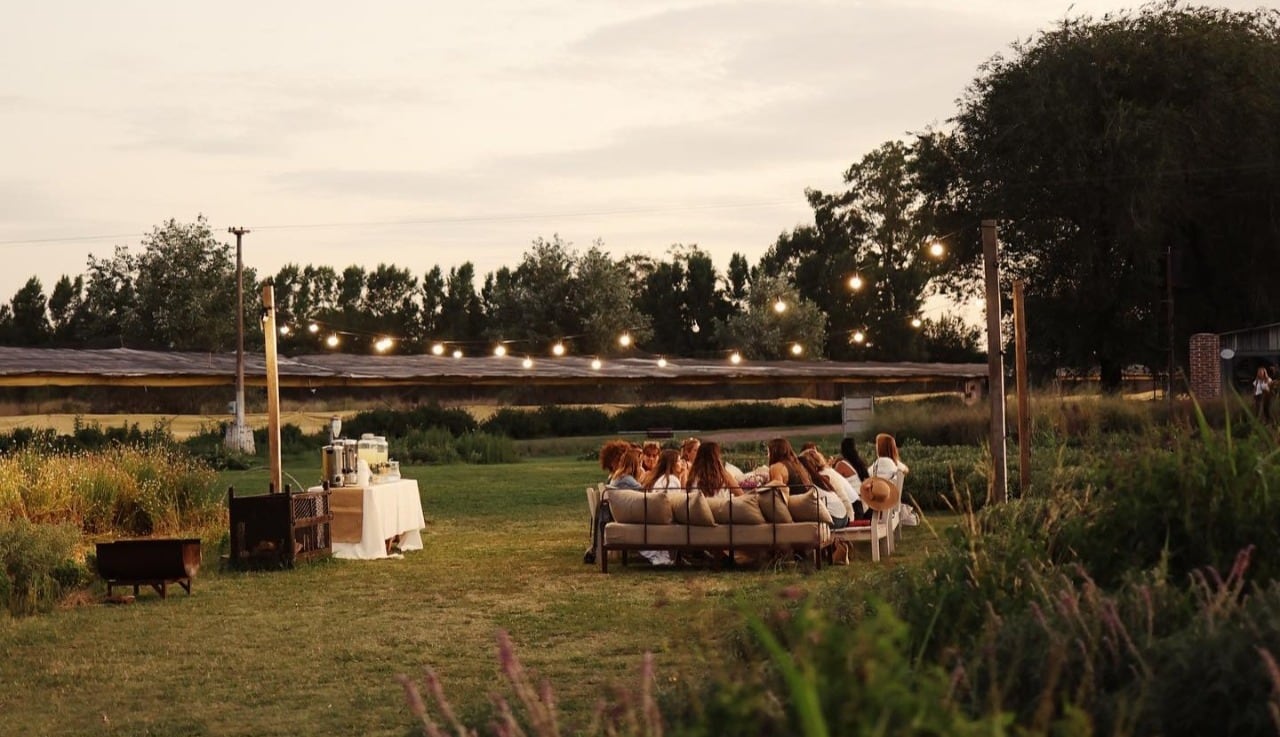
x,y
699,466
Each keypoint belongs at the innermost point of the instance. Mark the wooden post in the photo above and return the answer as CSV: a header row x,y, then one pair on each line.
x,y
995,364
273,386
1024,396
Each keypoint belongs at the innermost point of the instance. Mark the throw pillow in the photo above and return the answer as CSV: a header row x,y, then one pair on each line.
x,y
632,506
773,505
738,510
809,507
691,509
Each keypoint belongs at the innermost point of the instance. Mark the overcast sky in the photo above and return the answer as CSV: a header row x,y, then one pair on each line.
x,y
425,133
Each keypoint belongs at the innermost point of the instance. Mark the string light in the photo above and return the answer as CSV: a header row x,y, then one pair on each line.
x,y
662,362
437,349
313,328
694,328
284,329
624,340
596,364
735,358
796,349
557,349
779,306
855,282
457,353
916,322
332,340
859,337
383,344
527,362
500,350
936,249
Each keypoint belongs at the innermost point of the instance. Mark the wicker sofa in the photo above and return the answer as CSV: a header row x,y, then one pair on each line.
x,y
687,523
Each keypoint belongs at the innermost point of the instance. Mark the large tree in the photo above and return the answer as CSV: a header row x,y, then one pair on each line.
x,y
1115,152
760,330
876,233
185,290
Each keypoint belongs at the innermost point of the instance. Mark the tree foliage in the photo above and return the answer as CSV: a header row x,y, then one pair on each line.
x,y
1113,152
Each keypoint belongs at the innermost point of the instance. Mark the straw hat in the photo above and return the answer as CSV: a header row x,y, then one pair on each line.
x,y
879,494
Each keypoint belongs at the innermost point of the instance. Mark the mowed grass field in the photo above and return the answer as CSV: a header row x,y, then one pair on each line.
x,y
314,650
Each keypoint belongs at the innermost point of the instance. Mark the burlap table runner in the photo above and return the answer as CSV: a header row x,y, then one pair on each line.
x,y
347,506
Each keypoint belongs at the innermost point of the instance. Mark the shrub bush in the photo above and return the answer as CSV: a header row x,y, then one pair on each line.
x,y
398,424
479,447
37,564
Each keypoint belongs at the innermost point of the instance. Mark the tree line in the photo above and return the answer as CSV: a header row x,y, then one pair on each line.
x,y
178,293
1132,162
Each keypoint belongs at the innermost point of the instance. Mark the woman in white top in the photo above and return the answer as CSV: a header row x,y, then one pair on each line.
x,y
840,485
889,466
1261,391
666,472
822,482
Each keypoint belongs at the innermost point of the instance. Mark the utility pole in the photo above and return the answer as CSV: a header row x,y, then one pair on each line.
x,y
239,436
995,363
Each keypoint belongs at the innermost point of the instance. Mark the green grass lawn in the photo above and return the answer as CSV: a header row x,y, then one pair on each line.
x,y
313,651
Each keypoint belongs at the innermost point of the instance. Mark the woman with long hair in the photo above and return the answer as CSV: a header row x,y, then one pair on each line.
x,y
626,475
813,463
1261,393
708,474
850,465
665,473
888,465
785,469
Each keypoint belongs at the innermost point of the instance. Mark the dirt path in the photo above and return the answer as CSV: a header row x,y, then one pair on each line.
x,y
767,433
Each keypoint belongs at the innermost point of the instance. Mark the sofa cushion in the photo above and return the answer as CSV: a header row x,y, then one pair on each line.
x,y
628,505
809,507
690,508
736,510
773,505
809,534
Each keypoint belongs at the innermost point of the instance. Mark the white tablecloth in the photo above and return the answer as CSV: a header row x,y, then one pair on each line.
x,y
390,509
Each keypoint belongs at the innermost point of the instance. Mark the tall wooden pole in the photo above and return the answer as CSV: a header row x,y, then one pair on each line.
x,y
1024,396
995,364
273,386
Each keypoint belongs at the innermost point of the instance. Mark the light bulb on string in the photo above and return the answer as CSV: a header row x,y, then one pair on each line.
x,y
383,344
859,337
796,349
694,327
735,358
437,349
779,306
313,328
596,364
527,362
662,362
916,322
500,350
936,249
332,341
855,282
457,353
284,329
557,349
624,340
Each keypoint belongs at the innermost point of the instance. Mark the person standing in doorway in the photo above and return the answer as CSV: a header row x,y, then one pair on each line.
x,y
1262,394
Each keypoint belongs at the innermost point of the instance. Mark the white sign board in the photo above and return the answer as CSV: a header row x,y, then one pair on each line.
x,y
857,413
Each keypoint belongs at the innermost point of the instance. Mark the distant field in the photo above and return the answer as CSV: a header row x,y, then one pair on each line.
x,y
313,421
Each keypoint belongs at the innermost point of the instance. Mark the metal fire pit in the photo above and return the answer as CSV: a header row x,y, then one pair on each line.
x,y
154,562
